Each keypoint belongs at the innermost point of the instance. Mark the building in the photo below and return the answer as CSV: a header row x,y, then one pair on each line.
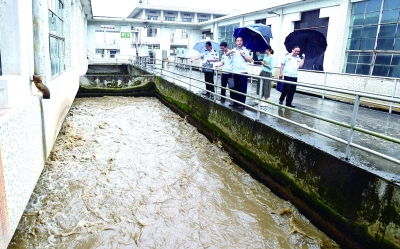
x,y
42,38
362,35
153,26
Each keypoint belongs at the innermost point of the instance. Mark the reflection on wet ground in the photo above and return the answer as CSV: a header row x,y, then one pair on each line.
x,y
130,173
373,120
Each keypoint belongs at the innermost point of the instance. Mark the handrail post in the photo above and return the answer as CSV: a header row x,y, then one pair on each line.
x,y
259,97
393,95
190,78
215,85
353,123
323,92
173,71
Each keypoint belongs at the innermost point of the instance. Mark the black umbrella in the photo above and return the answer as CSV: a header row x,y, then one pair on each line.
x,y
311,42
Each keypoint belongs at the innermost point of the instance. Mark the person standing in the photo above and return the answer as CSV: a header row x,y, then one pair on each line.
x,y
240,57
211,56
267,63
226,62
288,71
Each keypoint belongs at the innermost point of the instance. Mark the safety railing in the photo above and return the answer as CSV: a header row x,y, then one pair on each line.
x,y
182,76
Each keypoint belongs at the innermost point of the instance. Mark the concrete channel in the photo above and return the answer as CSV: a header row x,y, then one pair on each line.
x,y
355,204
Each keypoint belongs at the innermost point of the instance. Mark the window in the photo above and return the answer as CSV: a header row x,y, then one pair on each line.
x,y
152,17
169,18
170,13
203,15
152,32
186,14
99,51
56,36
152,12
261,21
202,20
186,19
184,34
1,71
310,20
225,33
373,44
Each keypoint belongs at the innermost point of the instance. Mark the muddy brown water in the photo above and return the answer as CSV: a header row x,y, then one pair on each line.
x,y
129,173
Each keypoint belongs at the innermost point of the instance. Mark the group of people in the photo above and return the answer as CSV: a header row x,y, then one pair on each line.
x,y
234,65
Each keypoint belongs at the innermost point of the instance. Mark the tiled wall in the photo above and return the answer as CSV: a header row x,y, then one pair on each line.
x,y
22,159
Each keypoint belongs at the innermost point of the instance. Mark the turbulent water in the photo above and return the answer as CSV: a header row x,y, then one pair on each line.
x,y
130,173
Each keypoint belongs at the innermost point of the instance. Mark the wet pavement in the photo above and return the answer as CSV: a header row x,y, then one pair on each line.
x,y
370,119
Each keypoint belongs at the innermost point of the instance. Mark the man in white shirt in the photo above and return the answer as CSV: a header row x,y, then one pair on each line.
x,y
209,55
288,71
240,58
226,62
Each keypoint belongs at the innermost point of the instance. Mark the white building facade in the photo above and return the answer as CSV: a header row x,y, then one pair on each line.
x,y
155,27
42,38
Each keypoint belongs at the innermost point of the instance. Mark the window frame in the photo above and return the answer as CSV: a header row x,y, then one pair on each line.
x,y
375,52
152,30
56,37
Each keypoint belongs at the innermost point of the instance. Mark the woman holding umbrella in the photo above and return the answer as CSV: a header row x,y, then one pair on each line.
x,y
268,63
240,57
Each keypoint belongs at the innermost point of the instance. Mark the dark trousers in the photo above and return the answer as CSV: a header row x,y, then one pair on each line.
x,y
240,86
209,77
288,90
224,83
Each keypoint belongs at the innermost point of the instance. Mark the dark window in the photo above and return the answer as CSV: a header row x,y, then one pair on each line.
x,y
310,20
152,17
152,32
261,21
374,43
169,18
1,71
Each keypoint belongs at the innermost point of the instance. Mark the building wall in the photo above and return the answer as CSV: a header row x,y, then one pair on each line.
x,y
30,124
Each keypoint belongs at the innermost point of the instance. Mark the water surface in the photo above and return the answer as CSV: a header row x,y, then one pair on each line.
x,y
129,173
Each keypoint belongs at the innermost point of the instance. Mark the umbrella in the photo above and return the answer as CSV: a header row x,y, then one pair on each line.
x,y
200,46
311,42
256,36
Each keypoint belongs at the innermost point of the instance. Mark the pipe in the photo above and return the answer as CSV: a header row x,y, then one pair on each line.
x,y
39,85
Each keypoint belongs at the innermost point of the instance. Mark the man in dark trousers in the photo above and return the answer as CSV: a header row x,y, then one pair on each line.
x,y
211,56
288,71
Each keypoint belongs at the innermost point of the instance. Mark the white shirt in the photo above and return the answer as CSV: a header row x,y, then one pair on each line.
x,y
209,55
239,63
290,65
227,60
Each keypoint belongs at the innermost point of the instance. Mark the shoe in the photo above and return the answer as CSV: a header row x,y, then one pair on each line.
x,y
281,102
263,104
232,104
206,93
241,107
290,105
222,100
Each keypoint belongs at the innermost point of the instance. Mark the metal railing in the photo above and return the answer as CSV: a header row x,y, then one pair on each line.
x,y
153,65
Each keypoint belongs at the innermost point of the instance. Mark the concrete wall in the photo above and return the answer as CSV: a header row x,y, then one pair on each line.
x,y
354,206
30,124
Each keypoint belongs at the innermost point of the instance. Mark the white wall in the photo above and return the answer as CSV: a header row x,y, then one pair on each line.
x,y
29,125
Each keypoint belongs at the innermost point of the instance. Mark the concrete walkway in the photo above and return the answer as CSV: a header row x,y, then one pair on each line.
x,y
373,120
